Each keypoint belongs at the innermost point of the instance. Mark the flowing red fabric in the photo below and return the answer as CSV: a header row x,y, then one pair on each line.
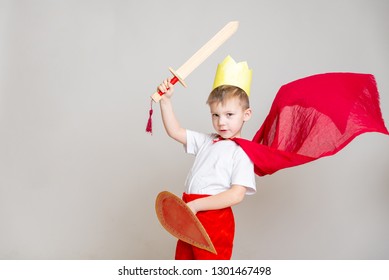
x,y
314,117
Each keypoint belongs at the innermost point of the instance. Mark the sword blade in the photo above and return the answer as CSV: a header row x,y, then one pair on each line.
x,y
202,54
205,51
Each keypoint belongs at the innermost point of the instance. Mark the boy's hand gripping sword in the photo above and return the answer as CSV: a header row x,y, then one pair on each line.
x,y
192,63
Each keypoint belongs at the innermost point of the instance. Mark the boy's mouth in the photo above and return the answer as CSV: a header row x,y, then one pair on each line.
x,y
223,132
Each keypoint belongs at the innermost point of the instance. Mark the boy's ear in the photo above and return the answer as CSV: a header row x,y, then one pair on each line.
x,y
247,114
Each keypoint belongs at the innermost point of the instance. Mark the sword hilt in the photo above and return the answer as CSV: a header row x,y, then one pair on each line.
x,y
157,96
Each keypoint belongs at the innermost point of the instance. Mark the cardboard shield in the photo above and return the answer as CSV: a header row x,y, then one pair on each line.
x,y
177,218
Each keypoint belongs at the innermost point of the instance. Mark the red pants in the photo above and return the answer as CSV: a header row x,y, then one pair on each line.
x,y
220,226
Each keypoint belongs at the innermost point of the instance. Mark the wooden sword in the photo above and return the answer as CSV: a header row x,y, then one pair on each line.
x,y
202,54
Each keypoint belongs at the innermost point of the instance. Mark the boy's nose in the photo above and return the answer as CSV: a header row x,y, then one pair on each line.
x,y
222,121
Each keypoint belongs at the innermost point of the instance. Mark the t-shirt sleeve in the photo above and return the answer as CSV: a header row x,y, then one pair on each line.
x,y
243,172
194,140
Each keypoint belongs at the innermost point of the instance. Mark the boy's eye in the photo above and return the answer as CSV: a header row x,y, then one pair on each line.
x,y
215,115
230,114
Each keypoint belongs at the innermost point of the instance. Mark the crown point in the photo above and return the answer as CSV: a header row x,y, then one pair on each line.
x,y
235,74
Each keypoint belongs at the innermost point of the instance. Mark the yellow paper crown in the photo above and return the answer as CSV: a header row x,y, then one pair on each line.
x,y
229,72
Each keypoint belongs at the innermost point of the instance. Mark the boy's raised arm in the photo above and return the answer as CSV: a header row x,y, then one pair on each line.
x,y
170,122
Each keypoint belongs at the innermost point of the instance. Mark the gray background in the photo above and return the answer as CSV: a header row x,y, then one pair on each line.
x,y
79,175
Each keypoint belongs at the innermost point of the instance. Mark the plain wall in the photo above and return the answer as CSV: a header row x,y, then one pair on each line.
x,y
79,175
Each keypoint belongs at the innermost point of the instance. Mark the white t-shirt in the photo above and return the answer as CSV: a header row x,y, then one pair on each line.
x,y
217,166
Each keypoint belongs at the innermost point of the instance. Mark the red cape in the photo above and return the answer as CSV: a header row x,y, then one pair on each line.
x,y
314,117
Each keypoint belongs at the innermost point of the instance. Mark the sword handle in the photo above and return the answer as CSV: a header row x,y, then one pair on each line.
x,y
157,96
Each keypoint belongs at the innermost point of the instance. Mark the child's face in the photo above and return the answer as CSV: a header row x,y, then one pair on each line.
x,y
228,117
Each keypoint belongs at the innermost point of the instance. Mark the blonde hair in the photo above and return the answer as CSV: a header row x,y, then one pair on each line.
x,y
225,92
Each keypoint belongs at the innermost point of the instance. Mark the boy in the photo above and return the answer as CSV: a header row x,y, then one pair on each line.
x,y
222,173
